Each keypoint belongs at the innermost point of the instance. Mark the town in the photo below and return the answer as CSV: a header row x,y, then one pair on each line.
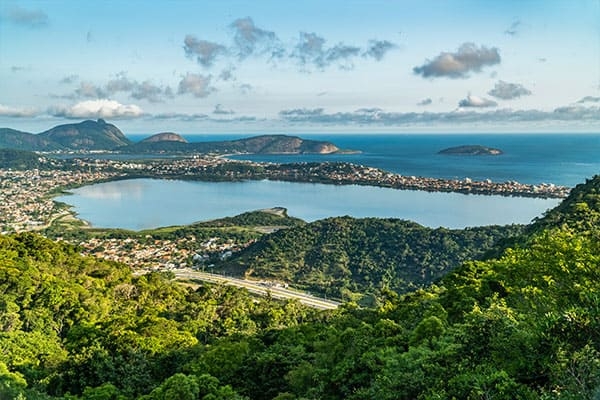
x,y
26,199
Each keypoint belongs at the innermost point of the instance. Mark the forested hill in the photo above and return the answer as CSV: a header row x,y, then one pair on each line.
x,y
580,210
523,326
344,257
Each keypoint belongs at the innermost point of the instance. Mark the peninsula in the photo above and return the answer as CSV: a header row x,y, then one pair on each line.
x,y
100,136
263,144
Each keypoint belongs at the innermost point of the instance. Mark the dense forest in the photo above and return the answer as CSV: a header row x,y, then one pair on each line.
x,y
355,259
523,325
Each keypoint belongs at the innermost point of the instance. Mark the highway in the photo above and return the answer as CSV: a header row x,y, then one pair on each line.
x,y
258,288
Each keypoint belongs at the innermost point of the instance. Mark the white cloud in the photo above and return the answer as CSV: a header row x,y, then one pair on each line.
x,y
476,101
14,112
102,108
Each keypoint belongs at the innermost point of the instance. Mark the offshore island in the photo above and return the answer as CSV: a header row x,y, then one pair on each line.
x,y
471,150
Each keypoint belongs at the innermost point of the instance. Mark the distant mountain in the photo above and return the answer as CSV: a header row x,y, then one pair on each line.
x,y
265,144
18,140
87,135
100,135
471,150
164,137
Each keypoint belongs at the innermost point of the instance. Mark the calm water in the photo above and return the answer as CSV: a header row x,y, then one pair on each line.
x,y
146,203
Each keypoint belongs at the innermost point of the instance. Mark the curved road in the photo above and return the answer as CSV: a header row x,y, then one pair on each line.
x,y
261,289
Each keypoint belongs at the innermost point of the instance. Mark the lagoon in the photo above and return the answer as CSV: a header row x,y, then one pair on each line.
x,y
149,203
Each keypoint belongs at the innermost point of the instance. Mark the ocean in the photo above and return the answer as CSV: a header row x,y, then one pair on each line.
x,y
562,159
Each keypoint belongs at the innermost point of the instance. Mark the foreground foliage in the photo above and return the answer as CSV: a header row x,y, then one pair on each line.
x,y
522,326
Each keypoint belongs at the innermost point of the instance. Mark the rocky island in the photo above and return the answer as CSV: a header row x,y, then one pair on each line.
x,y
471,150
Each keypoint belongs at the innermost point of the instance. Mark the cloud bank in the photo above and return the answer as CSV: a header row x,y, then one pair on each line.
x,y
378,117
468,58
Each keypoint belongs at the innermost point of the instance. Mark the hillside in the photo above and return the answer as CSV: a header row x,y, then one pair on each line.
x,y
523,326
17,140
87,135
345,256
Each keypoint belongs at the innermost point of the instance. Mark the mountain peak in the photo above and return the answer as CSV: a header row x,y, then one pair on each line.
x,y
87,135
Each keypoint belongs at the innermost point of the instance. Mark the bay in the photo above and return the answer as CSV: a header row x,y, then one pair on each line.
x,y
149,203
561,158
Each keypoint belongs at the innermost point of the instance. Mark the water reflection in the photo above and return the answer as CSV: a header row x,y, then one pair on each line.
x,y
147,203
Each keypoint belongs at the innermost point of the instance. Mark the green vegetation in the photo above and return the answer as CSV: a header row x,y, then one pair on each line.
x,y
19,159
241,228
78,325
524,325
346,257
269,217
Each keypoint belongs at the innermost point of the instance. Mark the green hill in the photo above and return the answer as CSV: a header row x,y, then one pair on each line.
x,y
341,256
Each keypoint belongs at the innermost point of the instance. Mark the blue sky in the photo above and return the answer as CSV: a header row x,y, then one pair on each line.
x,y
309,66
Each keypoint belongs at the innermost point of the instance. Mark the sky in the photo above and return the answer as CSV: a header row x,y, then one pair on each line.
x,y
337,66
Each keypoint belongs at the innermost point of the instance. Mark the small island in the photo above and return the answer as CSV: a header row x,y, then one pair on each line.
x,y
471,150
